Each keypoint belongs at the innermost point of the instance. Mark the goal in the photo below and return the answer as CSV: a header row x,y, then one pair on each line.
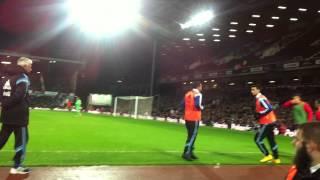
x,y
133,106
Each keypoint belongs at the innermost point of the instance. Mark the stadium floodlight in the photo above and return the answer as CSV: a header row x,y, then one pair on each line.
x,y
205,81
270,25
234,23
216,40
232,84
282,7
202,40
302,9
38,72
215,29
5,62
293,19
296,79
232,36
199,19
318,11
249,31
252,24
272,82
250,82
275,17
104,17
186,39
256,15
233,30
216,35
212,80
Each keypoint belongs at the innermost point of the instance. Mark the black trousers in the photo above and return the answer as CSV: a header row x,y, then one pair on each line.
x,y
266,131
192,129
21,139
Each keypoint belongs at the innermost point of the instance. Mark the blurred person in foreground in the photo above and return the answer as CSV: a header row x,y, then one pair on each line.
x,y
307,158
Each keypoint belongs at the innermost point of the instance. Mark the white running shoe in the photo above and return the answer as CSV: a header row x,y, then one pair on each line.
x,y
20,170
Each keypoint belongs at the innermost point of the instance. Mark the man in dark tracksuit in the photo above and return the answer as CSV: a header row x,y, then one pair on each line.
x,y
14,98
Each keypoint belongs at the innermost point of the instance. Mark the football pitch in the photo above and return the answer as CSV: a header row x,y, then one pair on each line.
x,y
65,139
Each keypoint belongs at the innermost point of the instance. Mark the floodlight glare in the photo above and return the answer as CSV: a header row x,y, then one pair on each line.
x,y
5,62
199,19
104,17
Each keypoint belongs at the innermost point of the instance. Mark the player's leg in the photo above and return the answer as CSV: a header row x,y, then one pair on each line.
x,y
272,143
260,135
21,140
78,109
5,133
190,125
193,139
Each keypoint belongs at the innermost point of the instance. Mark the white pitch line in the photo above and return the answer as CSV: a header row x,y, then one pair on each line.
x,y
122,151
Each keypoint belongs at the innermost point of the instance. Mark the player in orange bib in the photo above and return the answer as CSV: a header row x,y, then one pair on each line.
x,y
192,116
267,118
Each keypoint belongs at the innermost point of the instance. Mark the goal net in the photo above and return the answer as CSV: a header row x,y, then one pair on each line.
x,y
133,106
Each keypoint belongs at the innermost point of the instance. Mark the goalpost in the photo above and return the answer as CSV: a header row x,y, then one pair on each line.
x,y
133,106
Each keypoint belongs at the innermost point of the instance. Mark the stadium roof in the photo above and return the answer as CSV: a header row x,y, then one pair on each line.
x,y
237,21
28,27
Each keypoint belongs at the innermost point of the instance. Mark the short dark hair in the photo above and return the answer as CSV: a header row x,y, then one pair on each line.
x,y
196,84
297,94
258,86
311,132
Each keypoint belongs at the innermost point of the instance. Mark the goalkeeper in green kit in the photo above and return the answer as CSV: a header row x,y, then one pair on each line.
x,y
78,105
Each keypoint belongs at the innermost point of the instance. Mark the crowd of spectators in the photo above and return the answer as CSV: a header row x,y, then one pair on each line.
x,y
237,107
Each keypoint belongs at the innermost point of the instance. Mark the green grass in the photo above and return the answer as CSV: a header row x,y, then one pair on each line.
x,y
63,139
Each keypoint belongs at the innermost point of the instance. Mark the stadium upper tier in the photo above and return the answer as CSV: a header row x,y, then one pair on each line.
x,y
300,44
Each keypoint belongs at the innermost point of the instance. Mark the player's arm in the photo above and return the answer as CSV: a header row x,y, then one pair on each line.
x,y
268,107
318,115
287,104
198,101
182,105
16,96
309,111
